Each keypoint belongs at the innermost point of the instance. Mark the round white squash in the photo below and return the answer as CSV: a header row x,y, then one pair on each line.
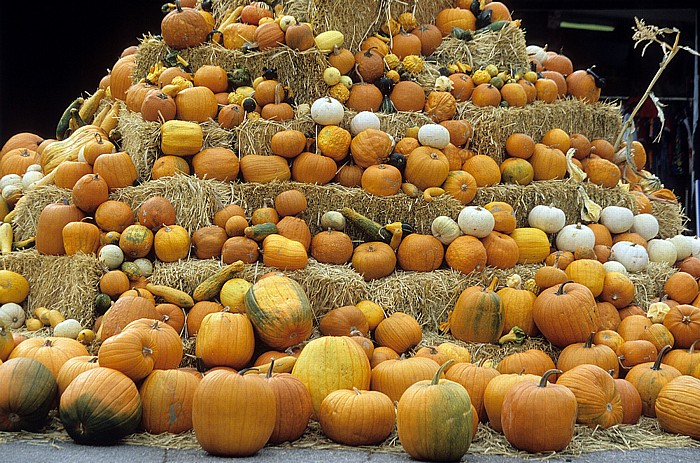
x,y
364,120
572,236
684,245
286,21
327,111
434,135
445,229
10,179
35,168
662,251
614,266
68,328
695,246
537,52
549,219
632,255
617,219
476,221
333,220
646,225
145,265
112,256
12,315
30,177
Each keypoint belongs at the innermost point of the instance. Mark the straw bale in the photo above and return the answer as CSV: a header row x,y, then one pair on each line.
x,y
195,200
254,135
671,217
505,48
361,19
649,284
30,206
492,126
66,283
302,71
141,139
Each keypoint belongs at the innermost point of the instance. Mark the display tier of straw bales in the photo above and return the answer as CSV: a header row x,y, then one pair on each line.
x,y
302,71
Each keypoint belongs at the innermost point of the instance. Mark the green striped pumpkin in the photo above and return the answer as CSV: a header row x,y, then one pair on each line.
x,y
27,390
100,406
478,315
280,311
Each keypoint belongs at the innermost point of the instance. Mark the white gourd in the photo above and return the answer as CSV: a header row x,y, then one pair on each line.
x,y
662,251
683,245
572,236
476,221
327,111
445,229
12,315
364,120
645,225
632,255
434,135
549,219
617,219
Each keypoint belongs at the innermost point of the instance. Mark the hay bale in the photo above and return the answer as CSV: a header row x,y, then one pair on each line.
x,y
195,200
254,135
66,283
360,19
30,206
492,126
505,48
302,71
671,217
141,139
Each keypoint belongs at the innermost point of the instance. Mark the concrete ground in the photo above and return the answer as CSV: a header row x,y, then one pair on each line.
x,y
43,452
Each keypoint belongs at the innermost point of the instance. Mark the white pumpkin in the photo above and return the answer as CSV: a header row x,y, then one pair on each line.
x,y
445,229
646,225
327,111
434,135
662,251
30,177
537,52
572,236
476,221
112,256
549,219
12,190
617,219
145,265
286,21
614,266
364,120
684,245
35,168
695,246
632,255
333,220
12,315
10,179
68,328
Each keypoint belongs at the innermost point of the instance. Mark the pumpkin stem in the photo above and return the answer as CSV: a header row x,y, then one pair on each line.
x,y
546,375
691,350
147,351
560,291
93,359
589,342
272,367
662,352
98,138
246,370
438,373
47,343
492,285
481,362
357,391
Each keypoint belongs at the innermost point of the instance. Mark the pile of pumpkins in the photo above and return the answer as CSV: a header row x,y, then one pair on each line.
x,y
359,367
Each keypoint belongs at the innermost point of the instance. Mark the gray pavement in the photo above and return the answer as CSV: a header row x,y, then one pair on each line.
x,y
43,452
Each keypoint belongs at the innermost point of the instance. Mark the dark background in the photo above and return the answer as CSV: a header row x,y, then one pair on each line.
x,y
59,51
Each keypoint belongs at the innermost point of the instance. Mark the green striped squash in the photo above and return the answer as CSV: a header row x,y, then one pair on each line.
x,y
280,311
100,406
27,390
478,315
